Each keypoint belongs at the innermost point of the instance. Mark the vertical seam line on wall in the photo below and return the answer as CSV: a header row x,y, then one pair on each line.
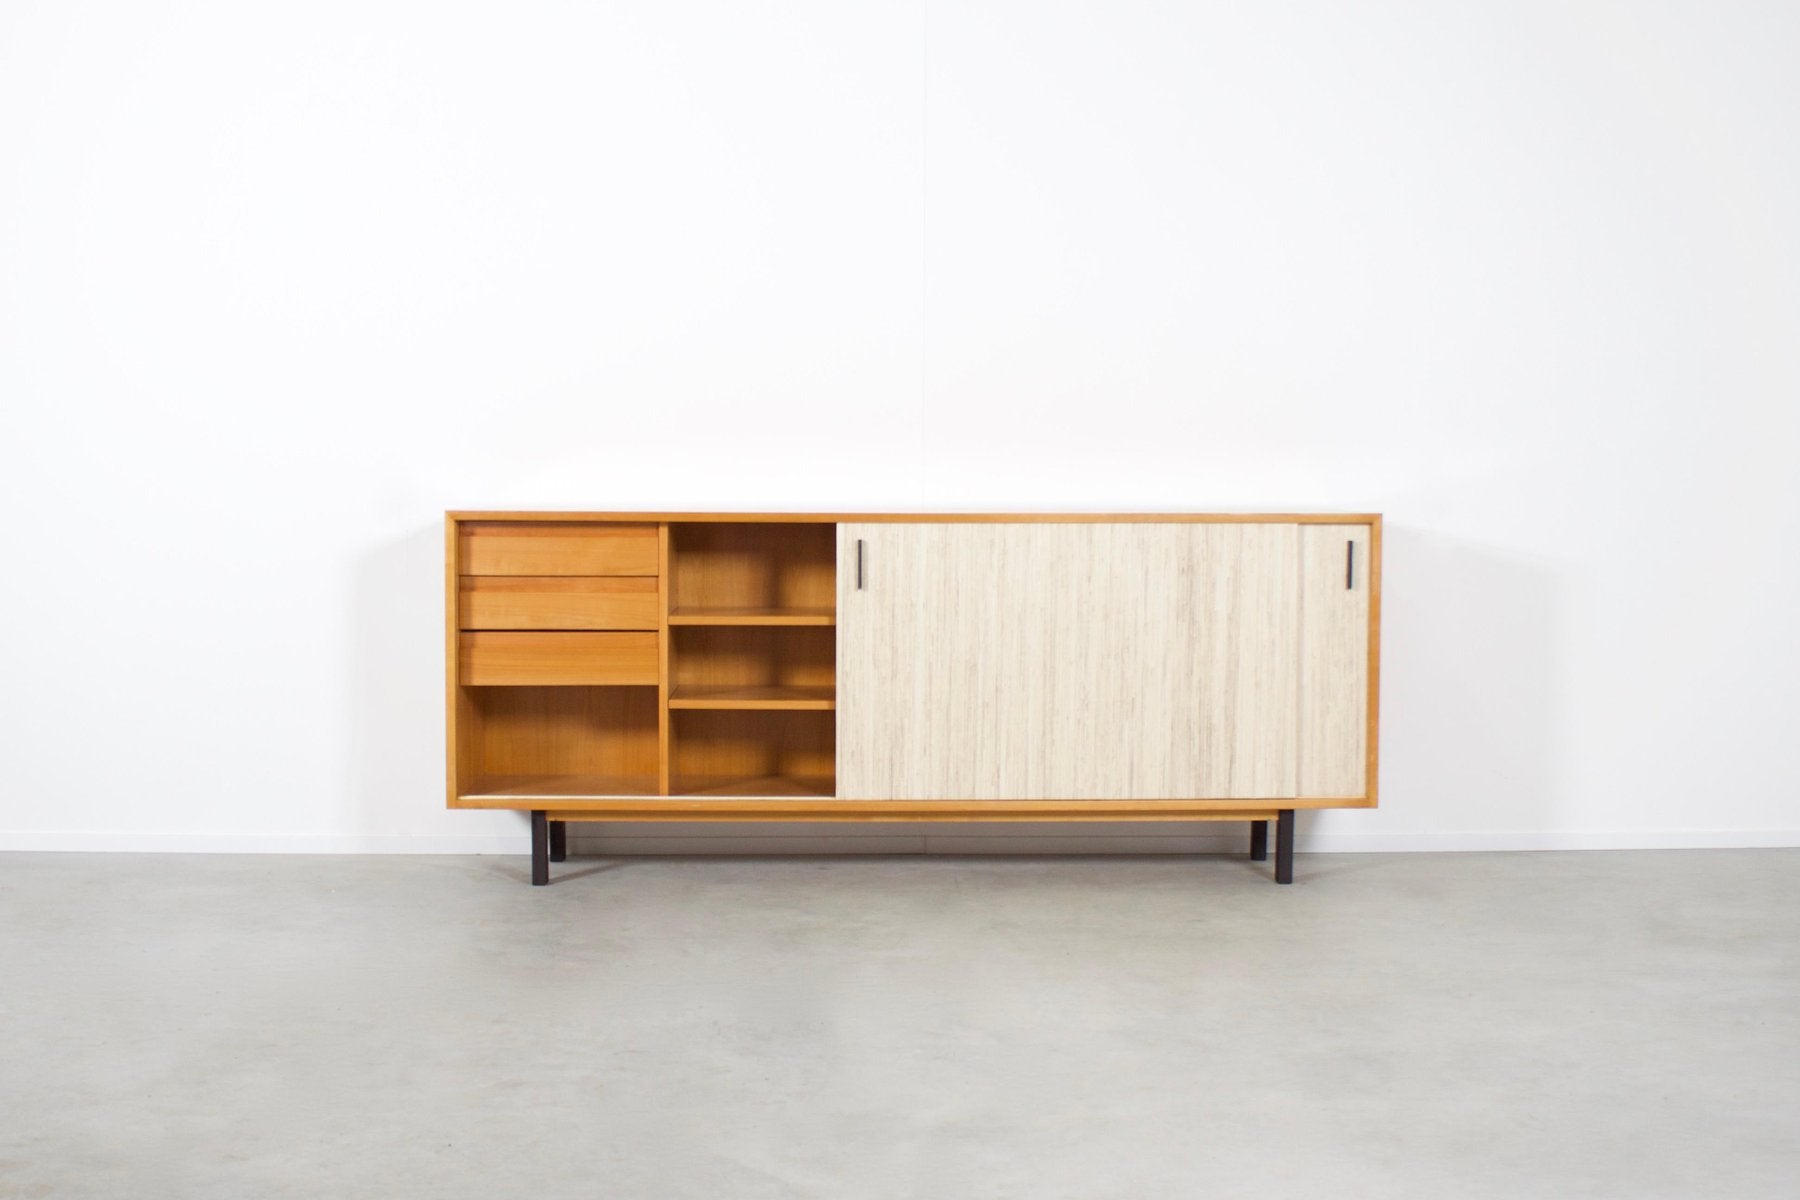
x,y
924,223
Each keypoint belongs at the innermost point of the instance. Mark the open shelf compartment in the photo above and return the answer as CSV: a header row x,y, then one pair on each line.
x,y
753,667
521,743
753,659
753,753
752,573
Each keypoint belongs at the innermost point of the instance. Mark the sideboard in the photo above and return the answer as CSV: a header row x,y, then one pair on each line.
x,y
639,666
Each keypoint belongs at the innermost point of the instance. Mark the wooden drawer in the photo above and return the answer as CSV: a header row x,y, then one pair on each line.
x,y
525,659
556,548
559,602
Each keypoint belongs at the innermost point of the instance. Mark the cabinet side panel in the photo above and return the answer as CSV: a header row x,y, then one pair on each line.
x,y
454,703
1337,578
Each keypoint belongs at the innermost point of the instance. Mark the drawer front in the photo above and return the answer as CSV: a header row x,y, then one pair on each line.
x,y
556,548
486,659
559,602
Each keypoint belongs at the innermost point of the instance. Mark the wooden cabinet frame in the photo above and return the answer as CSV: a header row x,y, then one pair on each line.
x,y
625,666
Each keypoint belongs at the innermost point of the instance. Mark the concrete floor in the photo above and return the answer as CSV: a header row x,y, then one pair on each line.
x,y
1518,1025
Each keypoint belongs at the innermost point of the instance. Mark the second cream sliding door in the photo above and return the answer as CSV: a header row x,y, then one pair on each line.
x,y
1067,661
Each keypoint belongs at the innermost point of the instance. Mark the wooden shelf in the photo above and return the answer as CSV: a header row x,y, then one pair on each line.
x,y
814,698
754,786
753,616
559,787
606,787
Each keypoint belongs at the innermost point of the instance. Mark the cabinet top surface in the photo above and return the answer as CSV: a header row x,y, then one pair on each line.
x,y
920,517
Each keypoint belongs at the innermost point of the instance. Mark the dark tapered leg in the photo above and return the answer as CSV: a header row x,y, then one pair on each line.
x,y
1284,846
1259,841
540,847
559,840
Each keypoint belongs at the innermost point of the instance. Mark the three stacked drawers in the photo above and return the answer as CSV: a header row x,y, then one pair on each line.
x,y
558,604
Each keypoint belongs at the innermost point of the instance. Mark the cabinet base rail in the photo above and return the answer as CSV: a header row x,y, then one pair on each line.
x,y
550,843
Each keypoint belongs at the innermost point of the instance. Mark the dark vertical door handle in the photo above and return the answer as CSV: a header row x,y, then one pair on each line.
x,y
1350,564
859,564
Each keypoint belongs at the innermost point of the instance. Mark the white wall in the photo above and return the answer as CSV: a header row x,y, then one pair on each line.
x,y
281,282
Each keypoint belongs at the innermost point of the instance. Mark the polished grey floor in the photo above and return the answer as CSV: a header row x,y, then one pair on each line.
x,y
1517,1025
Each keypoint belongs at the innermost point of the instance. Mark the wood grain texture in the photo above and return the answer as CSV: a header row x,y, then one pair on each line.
x,y
712,744
752,566
791,697
1371,751
558,548
489,659
1335,586
753,616
664,602
725,786
752,656
930,518
546,737
760,805
560,602
561,791
458,706
512,791
1036,662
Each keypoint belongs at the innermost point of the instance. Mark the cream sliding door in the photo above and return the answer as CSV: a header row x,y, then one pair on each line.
x,y
1068,661
1336,581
